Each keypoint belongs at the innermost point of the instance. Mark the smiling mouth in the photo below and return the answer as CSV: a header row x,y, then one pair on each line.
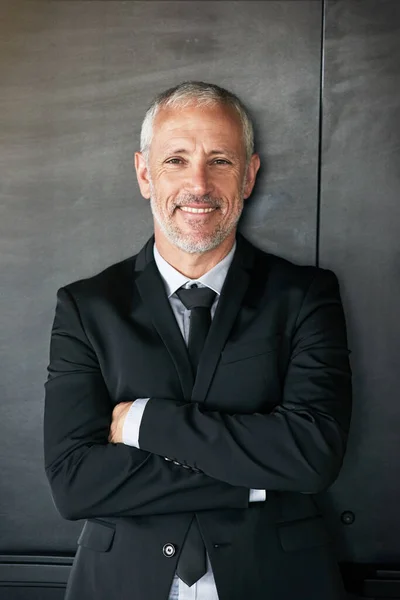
x,y
197,211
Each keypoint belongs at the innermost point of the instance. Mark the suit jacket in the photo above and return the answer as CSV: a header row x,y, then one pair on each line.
x,y
269,409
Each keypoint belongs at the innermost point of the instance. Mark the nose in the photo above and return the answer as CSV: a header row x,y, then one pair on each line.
x,y
199,180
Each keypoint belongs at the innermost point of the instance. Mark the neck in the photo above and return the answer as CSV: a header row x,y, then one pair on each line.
x,y
192,265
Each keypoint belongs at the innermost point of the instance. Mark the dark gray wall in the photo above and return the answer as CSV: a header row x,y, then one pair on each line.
x,y
76,79
360,239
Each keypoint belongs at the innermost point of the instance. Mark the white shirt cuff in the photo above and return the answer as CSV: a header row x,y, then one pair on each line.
x,y
130,430
257,495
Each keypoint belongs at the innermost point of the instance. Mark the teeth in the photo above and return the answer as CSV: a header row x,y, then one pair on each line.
x,y
196,210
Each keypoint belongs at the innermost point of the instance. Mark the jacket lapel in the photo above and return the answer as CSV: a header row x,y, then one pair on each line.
x,y
232,294
152,291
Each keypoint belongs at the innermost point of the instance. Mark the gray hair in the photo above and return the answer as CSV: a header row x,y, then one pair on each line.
x,y
204,94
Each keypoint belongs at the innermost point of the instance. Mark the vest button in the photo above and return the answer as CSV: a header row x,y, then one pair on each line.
x,y
169,550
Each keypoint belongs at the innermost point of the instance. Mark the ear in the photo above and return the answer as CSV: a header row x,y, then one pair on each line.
x,y
142,174
251,175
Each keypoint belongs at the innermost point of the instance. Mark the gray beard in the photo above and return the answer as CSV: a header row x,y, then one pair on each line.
x,y
185,243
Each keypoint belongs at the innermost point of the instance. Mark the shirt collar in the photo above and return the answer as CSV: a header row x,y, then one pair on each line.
x,y
213,279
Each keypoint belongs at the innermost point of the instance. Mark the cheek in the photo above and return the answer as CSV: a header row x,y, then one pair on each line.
x,y
230,188
168,189
233,200
164,194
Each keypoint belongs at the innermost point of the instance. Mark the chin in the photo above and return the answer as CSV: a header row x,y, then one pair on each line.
x,y
195,245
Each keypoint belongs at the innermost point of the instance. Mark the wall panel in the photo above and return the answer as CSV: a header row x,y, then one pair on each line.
x,y
76,80
359,238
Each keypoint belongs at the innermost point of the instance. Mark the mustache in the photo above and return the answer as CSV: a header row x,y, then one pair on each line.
x,y
206,199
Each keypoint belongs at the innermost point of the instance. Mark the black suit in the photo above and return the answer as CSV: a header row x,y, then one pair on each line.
x,y
269,409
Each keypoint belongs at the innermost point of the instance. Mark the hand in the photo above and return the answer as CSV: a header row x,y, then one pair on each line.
x,y
118,419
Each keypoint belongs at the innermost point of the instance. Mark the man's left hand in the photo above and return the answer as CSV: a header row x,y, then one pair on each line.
x,y
118,419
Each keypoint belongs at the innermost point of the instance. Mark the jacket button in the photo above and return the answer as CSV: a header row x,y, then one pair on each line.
x,y
168,550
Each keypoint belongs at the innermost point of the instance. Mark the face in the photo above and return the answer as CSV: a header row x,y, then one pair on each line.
x,y
196,176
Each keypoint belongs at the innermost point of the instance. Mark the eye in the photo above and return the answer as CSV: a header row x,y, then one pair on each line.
x,y
221,161
173,161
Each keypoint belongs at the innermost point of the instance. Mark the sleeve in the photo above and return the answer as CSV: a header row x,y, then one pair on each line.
x,y
90,477
130,435
299,446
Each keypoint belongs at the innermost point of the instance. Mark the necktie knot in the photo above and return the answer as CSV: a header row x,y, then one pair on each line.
x,y
196,297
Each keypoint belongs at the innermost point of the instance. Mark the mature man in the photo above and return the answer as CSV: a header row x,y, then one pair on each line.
x,y
199,393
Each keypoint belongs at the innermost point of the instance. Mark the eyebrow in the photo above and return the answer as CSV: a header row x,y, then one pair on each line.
x,y
211,153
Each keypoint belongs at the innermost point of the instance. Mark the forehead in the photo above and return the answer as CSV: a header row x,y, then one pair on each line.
x,y
200,122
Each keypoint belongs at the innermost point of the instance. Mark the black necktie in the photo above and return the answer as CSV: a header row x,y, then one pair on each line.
x,y
192,564
198,301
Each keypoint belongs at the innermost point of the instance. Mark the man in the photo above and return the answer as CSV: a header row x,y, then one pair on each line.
x,y
193,450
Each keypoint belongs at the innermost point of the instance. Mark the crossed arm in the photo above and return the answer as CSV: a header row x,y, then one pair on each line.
x,y
299,446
